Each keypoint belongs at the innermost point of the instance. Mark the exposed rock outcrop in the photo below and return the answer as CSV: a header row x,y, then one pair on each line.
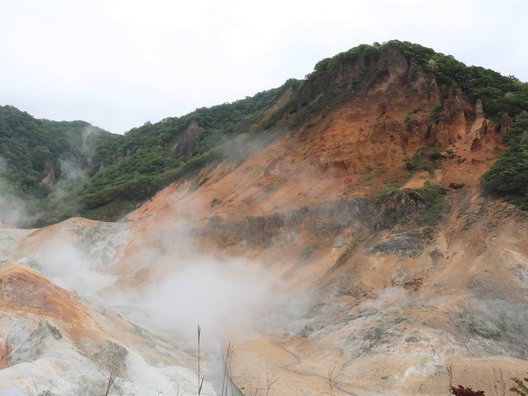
x,y
48,176
185,143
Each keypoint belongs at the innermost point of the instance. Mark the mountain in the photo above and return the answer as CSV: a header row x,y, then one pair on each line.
x,y
123,171
342,233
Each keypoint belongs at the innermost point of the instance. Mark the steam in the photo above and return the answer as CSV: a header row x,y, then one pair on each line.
x,y
397,296
16,211
228,297
69,267
75,256
87,142
390,296
222,296
72,169
168,283
243,146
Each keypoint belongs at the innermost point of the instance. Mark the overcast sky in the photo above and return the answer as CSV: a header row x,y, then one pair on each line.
x,y
120,63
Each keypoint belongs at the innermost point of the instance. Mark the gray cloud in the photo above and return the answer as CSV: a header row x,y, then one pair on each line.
x,y
119,63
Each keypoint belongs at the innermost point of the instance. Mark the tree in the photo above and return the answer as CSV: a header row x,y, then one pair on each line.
x,y
508,177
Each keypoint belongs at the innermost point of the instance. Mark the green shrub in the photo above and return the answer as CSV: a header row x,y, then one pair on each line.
x,y
508,177
498,93
349,251
308,251
433,197
426,158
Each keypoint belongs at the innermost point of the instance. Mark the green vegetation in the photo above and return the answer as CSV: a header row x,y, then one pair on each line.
x,y
372,173
434,198
409,119
431,200
498,93
309,250
426,158
30,148
325,87
349,251
335,64
143,162
276,183
101,175
36,154
437,113
508,177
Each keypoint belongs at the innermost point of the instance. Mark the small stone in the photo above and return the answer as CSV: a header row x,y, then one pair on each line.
x,y
215,202
456,186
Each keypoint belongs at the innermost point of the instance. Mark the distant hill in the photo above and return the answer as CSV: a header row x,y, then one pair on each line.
x,y
70,168
38,157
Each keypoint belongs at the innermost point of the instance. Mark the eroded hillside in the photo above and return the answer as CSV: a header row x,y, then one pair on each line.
x,y
378,212
345,249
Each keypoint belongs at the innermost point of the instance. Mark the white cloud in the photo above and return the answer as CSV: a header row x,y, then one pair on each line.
x,y
119,63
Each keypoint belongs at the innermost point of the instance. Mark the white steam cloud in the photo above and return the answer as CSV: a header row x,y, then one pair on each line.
x,y
222,296
70,268
72,169
390,296
397,296
74,255
157,276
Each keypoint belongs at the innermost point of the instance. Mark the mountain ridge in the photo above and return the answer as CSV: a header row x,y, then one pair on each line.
x,y
149,157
